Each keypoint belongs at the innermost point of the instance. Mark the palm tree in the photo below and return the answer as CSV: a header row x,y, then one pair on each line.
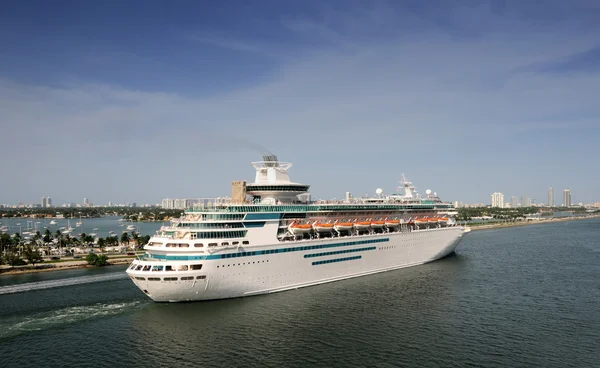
x,y
125,238
47,236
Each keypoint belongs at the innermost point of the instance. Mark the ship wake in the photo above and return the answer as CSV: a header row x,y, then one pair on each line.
x,y
41,285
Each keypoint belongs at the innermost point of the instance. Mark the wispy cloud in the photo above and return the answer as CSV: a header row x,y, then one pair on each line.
x,y
367,106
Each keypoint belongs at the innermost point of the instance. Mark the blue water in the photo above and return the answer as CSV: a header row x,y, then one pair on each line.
x,y
515,297
103,224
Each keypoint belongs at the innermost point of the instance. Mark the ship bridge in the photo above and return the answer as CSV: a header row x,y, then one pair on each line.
x,y
272,183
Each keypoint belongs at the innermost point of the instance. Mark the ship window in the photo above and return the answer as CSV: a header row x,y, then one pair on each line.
x,y
182,268
196,267
235,243
139,278
153,278
198,245
168,268
139,267
245,242
212,244
187,278
146,268
170,279
201,277
193,235
157,268
224,244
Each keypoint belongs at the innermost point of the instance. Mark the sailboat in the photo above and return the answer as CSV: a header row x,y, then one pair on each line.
x,y
69,229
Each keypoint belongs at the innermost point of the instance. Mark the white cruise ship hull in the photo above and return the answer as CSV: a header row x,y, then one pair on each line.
x,y
297,264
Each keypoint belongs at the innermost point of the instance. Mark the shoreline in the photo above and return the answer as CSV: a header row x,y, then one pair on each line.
x,y
71,265
501,225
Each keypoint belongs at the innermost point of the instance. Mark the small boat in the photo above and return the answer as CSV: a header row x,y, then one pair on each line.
x,y
392,222
78,224
378,224
96,229
299,228
362,225
52,222
421,221
343,226
321,227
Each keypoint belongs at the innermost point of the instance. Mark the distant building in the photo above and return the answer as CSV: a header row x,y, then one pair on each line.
x,y
525,201
498,200
109,203
567,198
168,204
514,202
46,202
550,197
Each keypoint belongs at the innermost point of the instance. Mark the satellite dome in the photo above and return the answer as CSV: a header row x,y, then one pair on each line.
x,y
428,191
379,191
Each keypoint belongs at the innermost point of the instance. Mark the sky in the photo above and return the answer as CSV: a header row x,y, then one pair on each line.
x,y
135,101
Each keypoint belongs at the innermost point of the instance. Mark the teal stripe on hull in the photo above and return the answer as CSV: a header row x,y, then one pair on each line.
x,y
272,251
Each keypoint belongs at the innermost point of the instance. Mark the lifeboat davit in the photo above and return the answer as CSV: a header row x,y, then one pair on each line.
x,y
362,225
432,220
343,226
392,222
443,220
321,227
299,228
377,224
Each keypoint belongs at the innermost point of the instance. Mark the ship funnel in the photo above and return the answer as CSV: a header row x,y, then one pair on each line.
x,y
271,161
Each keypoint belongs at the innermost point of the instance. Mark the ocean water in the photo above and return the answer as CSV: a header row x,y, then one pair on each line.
x,y
518,297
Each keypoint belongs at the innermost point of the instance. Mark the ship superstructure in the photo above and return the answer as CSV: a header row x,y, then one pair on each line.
x,y
269,236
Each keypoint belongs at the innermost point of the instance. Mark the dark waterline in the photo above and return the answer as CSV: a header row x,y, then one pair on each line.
x,y
519,297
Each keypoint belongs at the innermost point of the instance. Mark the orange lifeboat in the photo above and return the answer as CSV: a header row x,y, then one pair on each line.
x,y
377,224
299,228
362,225
432,220
321,227
343,226
392,222
421,221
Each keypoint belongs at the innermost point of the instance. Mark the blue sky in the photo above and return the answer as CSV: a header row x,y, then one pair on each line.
x,y
142,100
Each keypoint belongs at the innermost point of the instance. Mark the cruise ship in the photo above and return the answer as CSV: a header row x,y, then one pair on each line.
x,y
269,237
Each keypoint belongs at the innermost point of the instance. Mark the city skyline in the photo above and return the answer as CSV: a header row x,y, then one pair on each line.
x,y
176,103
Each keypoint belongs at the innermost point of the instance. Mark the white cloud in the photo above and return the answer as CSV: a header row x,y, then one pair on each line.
x,y
352,117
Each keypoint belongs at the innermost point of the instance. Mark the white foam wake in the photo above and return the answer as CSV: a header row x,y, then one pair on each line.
x,y
40,321
40,285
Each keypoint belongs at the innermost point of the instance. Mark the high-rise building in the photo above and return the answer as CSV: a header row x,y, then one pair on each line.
x,y
46,202
567,198
526,202
109,203
85,202
514,202
550,197
498,200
